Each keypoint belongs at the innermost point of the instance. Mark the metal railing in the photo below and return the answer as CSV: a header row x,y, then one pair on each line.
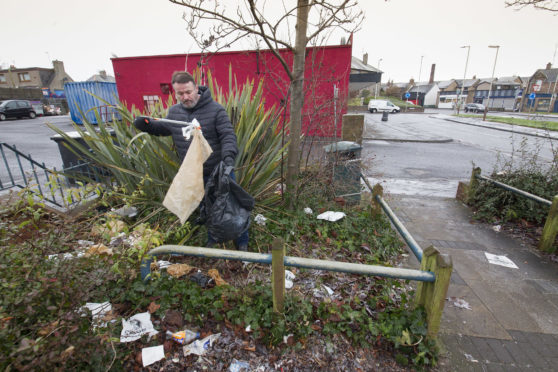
x,y
550,229
19,170
433,277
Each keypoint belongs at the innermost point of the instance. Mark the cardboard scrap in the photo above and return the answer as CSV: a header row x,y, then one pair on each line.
x,y
179,270
98,249
214,274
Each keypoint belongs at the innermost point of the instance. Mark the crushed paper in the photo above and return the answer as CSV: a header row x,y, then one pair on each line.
x,y
179,270
214,274
150,355
500,260
200,347
137,326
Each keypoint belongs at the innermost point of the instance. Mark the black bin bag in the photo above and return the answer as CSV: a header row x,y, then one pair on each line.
x,y
226,207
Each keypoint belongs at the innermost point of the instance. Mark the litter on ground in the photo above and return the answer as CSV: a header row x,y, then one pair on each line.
x,y
500,260
200,347
150,355
331,216
137,326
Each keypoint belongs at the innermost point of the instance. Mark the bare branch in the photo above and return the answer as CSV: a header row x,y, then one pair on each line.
x,y
207,14
273,50
549,5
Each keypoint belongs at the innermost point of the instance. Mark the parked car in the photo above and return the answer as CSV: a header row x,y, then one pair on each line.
x,y
51,110
376,105
16,108
474,107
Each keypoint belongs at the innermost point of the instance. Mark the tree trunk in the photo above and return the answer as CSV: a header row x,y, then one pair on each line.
x,y
297,102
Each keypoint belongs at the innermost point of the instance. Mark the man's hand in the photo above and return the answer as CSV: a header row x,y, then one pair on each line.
x,y
141,122
229,161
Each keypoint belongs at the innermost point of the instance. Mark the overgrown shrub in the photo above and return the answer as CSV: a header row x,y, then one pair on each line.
x,y
526,171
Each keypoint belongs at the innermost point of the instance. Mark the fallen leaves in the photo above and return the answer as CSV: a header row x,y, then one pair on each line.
x,y
179,270
214,274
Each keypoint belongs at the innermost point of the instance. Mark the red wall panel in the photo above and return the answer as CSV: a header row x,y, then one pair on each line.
x,y
137,77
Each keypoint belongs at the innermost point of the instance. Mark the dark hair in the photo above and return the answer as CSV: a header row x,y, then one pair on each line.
x,y
182,77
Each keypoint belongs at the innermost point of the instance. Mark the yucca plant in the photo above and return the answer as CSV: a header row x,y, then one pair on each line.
x,y
143,166
257,132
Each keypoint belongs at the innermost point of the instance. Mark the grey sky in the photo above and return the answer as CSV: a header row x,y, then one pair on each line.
x,y
84,35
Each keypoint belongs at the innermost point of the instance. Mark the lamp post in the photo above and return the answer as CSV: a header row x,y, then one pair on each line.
x,y
464,74
376,93
418,82
497,47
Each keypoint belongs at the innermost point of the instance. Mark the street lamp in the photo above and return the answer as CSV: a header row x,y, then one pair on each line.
x,y
464,74
497,47
418,82
376,93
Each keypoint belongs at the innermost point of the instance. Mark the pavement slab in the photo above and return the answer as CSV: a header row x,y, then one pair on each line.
x,y
513,321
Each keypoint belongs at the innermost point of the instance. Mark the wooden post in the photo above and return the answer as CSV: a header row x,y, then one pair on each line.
x,y
433,295
550,230
376,207
278,274
473,183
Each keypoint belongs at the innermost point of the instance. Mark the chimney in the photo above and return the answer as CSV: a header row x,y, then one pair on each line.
x,y
58,68
548,66
432,70
103,74
365,58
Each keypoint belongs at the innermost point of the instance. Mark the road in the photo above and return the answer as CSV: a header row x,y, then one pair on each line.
x,y
32,136
442,156
445,156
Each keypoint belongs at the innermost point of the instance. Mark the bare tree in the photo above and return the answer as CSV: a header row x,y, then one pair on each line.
x,y
550,5
315,21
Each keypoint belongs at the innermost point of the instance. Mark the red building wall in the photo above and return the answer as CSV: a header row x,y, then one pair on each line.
x,y
137,77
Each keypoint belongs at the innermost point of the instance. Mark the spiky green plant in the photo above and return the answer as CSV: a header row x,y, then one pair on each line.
x,y
142,166
257,132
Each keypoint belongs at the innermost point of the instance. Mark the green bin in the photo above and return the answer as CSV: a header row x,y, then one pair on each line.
x,y
344,158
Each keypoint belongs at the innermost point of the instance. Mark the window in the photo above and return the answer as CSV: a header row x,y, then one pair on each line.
x,y
2,78
23,76
23,104
543,104
150,102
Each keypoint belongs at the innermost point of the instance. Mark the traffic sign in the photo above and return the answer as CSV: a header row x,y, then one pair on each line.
x,y
407,95
532,96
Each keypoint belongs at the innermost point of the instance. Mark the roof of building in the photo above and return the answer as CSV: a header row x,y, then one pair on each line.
x,y
422,87
102,77
508,80
444,83
357,64
467,83
550,74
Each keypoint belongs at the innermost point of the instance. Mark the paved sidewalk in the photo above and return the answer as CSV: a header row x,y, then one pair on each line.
x,y
512,323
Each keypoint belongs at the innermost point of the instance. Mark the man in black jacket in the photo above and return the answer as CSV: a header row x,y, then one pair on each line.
x,y
196,103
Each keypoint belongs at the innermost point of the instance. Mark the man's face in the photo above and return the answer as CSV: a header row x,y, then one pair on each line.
x,y
187,93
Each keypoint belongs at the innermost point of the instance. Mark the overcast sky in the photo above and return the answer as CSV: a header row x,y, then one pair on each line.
x,y
85,34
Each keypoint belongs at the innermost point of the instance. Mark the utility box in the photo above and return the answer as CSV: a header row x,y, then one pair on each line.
x,y
73,163
344,158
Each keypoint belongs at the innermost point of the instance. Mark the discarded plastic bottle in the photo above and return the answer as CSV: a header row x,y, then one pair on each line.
x,y
183,337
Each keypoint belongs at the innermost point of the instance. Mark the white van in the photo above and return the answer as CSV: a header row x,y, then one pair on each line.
x,y
376,105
